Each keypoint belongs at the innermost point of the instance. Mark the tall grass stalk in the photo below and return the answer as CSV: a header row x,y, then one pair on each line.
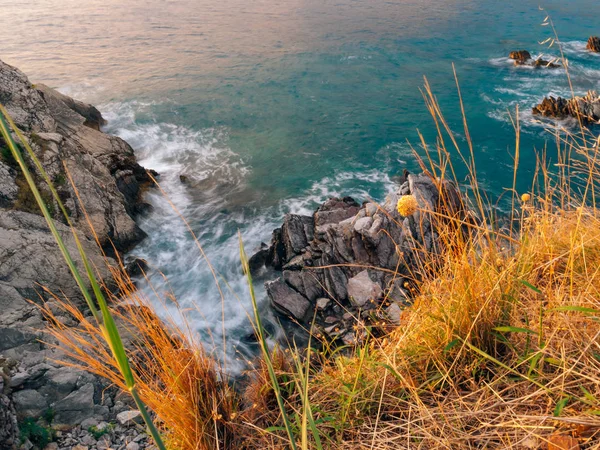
x,y
262,340
105,320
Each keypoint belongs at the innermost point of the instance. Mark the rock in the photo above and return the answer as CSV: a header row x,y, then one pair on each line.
x,y
80,447
520,56
593,44
128,418
51,446
347,237
136,267
323,303
132,446
287,300
259,259
29,403
547,64
9,432
361,289
586,108
75,407
394,313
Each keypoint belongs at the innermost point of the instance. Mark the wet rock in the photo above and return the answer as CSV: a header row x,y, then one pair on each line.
x,y
136,267
347,238
586,108
520,56
593,44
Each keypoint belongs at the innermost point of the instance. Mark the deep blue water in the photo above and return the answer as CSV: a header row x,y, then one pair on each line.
x,y
271,106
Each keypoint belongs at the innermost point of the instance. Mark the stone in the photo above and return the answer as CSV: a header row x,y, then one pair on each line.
x,y
297,232
29,403
394,313
286,300
132,446
323,303
80,447
75,407
362,289
9,431
51,446
593,44
128,418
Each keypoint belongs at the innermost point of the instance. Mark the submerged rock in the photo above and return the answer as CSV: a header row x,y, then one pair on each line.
x,y
520,56
523,58
586,108
593,44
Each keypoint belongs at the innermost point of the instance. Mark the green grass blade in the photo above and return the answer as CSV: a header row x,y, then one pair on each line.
x,y
265,348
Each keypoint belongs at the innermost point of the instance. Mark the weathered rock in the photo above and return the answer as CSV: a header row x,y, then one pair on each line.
x,y
287,300
9,432
593,44
523,58
362,289
128,418
110,184
63,130
586,108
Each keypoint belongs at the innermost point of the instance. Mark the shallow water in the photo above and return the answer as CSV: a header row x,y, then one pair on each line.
x,y
272,106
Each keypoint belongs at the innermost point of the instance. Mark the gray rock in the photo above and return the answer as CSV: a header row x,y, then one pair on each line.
x,y
323,303
287,300
75,407
362,289
9,432
29,403
394,312
128,418
132,446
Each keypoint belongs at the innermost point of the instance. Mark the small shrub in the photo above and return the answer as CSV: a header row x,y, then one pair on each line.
x,y
37,434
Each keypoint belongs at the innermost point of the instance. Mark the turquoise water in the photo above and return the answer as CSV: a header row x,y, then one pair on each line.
x,y
271,106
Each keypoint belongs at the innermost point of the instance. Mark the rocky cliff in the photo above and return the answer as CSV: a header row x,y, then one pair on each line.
x,y
66,136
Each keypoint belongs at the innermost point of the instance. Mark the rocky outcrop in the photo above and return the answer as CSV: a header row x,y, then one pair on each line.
x,y
347,261
586,108
593,44
523,58
65,135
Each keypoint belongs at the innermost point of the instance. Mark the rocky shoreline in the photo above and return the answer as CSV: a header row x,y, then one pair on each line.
x,y
43,396
349,266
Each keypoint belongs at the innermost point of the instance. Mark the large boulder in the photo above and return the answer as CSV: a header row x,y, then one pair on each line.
x,y
593,44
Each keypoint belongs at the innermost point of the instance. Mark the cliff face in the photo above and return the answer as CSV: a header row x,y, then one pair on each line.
x,y
66,136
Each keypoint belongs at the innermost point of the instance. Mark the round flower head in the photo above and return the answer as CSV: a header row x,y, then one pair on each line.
x,y
525,197
407,205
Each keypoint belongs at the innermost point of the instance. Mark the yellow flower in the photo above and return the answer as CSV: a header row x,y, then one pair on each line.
x,y
407,205
525,197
